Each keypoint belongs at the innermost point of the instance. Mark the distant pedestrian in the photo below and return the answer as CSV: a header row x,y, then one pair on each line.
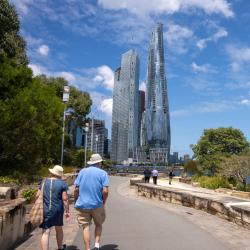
x,y
55,203
147,174
170,177
91,193
155,176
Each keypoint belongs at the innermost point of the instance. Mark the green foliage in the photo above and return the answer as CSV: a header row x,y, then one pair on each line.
x,y
191,166
216,144
31,109
12,44
107,164
9,180
29,194
30,128
236,166
13,78
212,182
79,101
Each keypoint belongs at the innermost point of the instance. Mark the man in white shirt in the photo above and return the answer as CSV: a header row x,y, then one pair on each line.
x,y
155,176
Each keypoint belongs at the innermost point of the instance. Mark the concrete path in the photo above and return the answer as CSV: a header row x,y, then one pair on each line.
x,y
132,225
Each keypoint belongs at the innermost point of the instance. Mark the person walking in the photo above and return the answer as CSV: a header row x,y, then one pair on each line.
x,y
155,175
55,204
147,174
170,177
91,193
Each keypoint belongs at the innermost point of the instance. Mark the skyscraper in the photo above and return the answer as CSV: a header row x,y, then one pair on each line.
x,y
125,108
141,109
157,110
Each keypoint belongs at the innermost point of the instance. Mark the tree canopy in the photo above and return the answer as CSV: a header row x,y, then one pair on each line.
x,y
31,108
215,144
79,101
236,166
12,45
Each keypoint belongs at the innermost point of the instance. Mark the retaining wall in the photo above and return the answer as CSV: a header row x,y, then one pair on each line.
x,y
220,206
12,222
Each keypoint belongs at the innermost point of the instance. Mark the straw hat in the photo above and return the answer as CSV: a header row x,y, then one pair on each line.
x,y
95,158
56,170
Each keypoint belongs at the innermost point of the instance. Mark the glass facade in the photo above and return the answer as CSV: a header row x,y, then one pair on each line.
x,y
157,109
125,108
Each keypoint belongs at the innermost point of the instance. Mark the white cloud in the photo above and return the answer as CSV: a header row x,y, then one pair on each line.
x,y
67,75
89,78
235,67
38,69
177,37
22,5
43,50
145,7
143,86
105,76
239,54
245,102
200,68
202,43
106,106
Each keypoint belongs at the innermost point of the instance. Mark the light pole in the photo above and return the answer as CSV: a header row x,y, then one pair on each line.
x,y
65,100
86,141
96,142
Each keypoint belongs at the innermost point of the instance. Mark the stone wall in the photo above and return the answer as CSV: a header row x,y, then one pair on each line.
x,y
222,208
12,222
14,217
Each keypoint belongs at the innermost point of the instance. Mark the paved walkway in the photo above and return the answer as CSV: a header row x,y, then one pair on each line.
x,y
132,225
70,231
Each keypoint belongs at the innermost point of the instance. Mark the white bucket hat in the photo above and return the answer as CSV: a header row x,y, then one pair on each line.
x,y
95,158
56,170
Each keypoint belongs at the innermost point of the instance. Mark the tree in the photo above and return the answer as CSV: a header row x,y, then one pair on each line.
x,y
79,101
216,144
13,77
30,128
237,167
12,44
191,166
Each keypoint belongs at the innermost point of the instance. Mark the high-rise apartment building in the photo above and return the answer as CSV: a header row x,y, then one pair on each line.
x,y
96,136
125,108
157,108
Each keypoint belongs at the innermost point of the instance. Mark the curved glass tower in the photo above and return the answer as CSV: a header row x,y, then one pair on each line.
x,y
157,109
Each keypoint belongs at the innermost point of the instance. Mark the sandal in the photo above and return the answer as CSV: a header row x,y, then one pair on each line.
x,y
63,248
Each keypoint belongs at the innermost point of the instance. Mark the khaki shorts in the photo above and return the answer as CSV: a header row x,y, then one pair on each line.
x,y
85,216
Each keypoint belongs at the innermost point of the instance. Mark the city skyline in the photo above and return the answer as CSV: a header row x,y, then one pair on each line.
x,y
207,50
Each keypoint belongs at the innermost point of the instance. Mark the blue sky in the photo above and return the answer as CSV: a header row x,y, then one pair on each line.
x,y
207,54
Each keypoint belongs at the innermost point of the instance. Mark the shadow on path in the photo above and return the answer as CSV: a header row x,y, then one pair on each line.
x,y
72,247
110,247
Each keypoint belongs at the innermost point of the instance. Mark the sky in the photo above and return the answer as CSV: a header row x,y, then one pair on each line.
x,y
207,55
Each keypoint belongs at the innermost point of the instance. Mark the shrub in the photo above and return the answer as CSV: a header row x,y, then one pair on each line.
x,y
212,182
29,194
9,180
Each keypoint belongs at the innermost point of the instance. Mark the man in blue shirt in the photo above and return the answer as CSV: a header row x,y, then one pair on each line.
x,y
91,193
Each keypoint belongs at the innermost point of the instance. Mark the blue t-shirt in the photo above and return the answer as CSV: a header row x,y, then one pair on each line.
x,y
91,181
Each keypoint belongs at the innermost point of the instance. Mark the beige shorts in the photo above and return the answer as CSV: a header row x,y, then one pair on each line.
x,y
85,216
